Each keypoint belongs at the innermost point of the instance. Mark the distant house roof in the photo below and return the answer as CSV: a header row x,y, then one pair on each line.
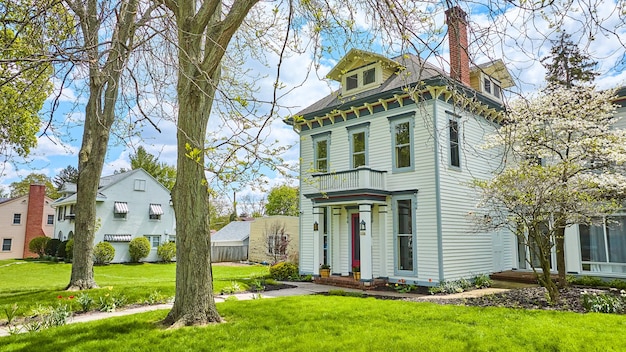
x,y
234,231
105,182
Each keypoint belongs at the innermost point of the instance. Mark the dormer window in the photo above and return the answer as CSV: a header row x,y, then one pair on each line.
x,y
492,87
362,78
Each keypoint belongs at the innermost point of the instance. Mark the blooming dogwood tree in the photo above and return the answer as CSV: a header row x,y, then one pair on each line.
x,y
564,166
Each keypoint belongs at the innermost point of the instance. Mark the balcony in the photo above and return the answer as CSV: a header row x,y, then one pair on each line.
x,y
362,178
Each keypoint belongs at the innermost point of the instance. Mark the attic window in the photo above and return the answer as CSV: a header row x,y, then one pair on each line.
x,y
362,78
352,82
492,87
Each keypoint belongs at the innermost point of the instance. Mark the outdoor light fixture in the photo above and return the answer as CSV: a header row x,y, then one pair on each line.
x,y
362,225
316,226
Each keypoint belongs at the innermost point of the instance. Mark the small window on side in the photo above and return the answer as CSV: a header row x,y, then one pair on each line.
x,y
352,82
369,76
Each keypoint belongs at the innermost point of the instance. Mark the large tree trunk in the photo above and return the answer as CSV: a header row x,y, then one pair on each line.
x,y
99,116
560,253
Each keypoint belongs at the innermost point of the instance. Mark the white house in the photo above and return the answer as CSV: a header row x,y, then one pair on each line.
x,y
128,205
385,166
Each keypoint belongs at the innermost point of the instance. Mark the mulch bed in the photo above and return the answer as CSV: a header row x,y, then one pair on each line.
x,y
524,298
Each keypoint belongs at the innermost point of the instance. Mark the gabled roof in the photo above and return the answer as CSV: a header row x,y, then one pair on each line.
x,y
497,70
105,183
413,70
356,58
234,231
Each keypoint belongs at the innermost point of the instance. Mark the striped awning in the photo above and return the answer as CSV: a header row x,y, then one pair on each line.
x,y
121,208
118,238
155,209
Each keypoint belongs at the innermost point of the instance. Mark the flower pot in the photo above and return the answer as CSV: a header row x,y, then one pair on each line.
x,y
324,272
357,275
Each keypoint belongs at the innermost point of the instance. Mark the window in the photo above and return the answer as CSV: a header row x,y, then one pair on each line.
x,y
155,212
17,219
455,152
352,82
603,246
403,215
277,244
6,244
140,185
358,135
369,76
487,83
60,213
120,210
497,91
321,143
362,78
402,140
50,219
155,240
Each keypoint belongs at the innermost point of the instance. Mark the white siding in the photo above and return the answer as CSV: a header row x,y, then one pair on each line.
x,y
465,251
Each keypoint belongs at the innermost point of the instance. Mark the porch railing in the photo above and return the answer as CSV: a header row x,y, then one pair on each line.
x,y
361,178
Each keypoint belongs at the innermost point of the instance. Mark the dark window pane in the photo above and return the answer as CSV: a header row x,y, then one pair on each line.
x,y
403,135
403,156
369,76
404,217
351,82
405,253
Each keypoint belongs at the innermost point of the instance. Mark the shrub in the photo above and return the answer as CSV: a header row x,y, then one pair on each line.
x,y
482,281
167,251
38,245
103,253
69,250
138,248
603,302
284,271
61,252
52,247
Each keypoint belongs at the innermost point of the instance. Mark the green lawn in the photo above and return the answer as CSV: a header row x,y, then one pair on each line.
x,y
29,283
331,323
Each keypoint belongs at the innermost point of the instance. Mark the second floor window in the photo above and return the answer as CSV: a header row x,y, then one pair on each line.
x,y
120,210
321,155
402,145
17,219
455,152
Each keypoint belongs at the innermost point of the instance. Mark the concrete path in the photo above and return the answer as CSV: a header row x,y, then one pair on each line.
x,y
301,289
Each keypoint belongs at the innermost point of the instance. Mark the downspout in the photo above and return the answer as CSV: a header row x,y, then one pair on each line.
x,y
438,192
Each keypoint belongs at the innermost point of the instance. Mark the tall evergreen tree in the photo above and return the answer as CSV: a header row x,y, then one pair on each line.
x,y
69,174
567,65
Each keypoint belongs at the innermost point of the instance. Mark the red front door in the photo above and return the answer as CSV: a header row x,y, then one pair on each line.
x,y
356,242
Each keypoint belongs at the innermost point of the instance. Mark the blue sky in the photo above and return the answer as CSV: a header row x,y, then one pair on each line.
x,y
507,34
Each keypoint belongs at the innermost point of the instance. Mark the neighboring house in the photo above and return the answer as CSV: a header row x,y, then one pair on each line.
x,y
274,239
128,205
598,250
24,218
261,240
386,162
230,243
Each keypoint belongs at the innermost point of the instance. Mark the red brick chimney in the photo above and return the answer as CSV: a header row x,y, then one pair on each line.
x,y
457,37
34,218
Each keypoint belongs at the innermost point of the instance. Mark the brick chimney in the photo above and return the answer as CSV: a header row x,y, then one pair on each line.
x,y
457,37
34,218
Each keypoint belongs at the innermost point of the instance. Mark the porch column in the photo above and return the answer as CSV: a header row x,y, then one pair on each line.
x,y
382,237
365,217
317,230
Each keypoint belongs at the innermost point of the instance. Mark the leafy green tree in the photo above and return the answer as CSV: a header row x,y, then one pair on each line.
x,y
20,188
580,176
283,200
162,172
67,175
26,30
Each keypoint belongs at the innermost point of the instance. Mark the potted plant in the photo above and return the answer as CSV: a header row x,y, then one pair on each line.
x,y
356,272
324,270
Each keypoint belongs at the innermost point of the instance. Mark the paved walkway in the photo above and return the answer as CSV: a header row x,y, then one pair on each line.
x,y
301,289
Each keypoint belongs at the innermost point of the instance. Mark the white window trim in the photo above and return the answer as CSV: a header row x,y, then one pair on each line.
x,y
359,72
10,245
356,129
316,139
494,82
457,119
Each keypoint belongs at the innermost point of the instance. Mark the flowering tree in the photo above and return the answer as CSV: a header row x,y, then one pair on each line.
x,y
564,166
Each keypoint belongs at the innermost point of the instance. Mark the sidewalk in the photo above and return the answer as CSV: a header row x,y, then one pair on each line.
x,y
301,289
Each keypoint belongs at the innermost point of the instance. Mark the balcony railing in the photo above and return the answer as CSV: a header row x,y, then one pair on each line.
x,y
361,178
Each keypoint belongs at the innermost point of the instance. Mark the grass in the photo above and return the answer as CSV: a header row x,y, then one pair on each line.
x,y
29,283
316,323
